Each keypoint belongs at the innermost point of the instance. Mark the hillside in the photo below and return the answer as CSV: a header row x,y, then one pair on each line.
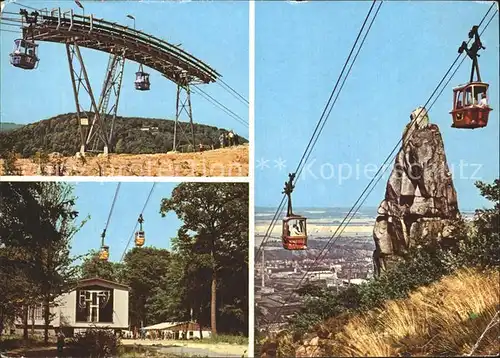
x,y
445,318
231,161
132,136
8,126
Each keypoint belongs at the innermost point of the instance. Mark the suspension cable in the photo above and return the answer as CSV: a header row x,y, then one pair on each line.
x,y
232,91
323,119
136,222
215,102
309,145
103,235
343,82
26,6
11,31
357,207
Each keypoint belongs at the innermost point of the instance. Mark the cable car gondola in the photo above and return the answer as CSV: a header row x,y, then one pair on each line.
x,y
294,230
142,80
139,235
104,253
24,55
470,101
104,250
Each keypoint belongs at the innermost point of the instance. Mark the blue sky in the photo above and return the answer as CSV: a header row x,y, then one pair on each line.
x,y
218,35
95,198
300,51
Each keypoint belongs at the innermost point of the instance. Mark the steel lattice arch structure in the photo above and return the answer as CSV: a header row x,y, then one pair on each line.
x,y
122,43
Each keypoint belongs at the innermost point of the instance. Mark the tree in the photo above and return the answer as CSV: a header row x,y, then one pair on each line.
x,y
10,166
36,226
143,270
168,299
214,235
479,246
18,209
52,260
16,288
92,267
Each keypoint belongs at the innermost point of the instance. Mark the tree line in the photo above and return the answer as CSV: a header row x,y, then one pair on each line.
x,y
132,135
204,277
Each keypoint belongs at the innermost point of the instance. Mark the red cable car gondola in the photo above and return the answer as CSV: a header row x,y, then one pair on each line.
x,y
470,101
294,230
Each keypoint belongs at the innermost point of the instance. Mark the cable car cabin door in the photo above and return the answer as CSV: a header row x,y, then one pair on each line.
x,y
294,233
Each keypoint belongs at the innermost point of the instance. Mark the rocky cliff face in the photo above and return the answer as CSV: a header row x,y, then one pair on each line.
x,y
420,201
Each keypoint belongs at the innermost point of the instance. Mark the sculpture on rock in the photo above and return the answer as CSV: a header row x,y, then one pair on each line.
x,y
420,203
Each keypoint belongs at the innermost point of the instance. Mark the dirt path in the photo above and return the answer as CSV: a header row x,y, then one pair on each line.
x,y
192,348
168,348
231,161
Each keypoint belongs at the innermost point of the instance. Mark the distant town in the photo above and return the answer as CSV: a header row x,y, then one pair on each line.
x,y
278,272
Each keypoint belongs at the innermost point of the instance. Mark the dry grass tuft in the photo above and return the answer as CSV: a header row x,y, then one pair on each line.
x,y
446,318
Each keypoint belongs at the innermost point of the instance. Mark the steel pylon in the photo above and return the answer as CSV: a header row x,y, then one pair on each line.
x,y
183,109
111,88
95,135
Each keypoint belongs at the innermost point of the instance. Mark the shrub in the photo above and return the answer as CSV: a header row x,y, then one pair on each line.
x,y
10,166
97,343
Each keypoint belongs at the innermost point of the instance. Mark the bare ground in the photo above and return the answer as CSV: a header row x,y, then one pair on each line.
x,y
163,348
188,347
231,161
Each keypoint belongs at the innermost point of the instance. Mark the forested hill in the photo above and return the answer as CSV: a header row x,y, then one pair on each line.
x,y
7,126
132,135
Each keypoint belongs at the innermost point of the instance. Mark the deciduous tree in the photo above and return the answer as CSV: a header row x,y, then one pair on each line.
x,y
214,235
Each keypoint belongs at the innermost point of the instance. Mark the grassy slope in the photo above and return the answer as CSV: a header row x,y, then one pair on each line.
x,y
445,318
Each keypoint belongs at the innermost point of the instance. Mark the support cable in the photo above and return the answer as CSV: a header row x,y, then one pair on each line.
x,y
135,226
215,102
11,31
110,213
320,123
232,91
26,6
